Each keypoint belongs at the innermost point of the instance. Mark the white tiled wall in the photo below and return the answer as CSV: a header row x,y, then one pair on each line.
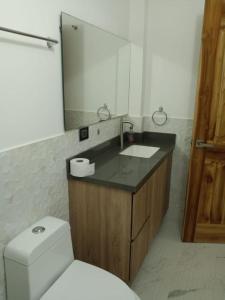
x,y
183,129
33,181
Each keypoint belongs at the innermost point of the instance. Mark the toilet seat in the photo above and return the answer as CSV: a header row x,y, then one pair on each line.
x,y
82,281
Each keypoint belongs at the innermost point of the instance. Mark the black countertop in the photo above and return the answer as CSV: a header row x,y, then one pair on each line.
x,y
122,171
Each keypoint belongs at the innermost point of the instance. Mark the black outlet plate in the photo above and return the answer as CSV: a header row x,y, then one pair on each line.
x,y
83,133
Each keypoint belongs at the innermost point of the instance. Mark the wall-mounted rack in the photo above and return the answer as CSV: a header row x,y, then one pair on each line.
x,y
50,42
161,112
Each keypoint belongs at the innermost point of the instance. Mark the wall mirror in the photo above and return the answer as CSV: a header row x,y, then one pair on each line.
x,y
96,73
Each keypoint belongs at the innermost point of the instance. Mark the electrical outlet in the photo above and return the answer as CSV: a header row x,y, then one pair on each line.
x,y
83,133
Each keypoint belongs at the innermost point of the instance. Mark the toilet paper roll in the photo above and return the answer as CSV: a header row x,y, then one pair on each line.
x,y
81,167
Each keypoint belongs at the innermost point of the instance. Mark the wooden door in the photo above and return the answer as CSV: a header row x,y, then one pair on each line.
x,y
204,219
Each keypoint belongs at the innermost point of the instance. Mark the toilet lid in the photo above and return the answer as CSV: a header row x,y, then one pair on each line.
x,y
82,281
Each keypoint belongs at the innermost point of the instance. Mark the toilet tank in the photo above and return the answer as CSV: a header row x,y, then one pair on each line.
x,y
36,258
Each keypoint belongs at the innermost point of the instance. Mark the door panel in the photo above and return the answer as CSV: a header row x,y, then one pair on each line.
x,y
218,205
206,192
212,194
220,123
217,120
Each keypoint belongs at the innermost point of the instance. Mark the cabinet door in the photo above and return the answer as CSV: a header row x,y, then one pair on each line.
x,y
100,219
139,249
141,209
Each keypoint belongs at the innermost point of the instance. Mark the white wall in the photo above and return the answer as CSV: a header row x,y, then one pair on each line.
x,y
137,30
30,77
173,36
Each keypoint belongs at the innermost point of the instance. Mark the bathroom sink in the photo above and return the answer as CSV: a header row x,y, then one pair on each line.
x,y
140,151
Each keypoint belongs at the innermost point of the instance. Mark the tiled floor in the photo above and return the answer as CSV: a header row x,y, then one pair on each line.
x,y
181,271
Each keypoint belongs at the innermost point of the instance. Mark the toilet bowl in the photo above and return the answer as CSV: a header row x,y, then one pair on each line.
x,y
39,264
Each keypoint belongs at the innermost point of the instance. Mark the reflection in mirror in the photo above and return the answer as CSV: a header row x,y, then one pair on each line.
x,y
96,72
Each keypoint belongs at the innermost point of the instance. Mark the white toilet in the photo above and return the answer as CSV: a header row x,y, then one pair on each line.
x,y
39,264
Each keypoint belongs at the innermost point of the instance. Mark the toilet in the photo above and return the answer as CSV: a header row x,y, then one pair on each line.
x,y
39,264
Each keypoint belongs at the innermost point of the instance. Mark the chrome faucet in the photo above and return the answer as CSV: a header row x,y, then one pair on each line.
x,y
121,131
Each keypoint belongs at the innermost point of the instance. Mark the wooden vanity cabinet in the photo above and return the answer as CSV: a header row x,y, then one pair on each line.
x,y
112,228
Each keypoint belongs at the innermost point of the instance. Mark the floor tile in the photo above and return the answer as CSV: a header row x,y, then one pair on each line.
x,y
181,271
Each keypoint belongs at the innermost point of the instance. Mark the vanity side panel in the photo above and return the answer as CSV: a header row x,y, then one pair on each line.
x,y
141,209
158,191
100,219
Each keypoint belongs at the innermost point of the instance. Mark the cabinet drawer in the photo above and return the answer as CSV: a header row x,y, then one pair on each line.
x,y
139,249
141,209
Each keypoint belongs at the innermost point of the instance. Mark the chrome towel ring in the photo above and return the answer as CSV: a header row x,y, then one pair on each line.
x,y
104,113
160,112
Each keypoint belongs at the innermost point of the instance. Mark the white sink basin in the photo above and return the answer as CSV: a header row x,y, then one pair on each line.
x,y
140,151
